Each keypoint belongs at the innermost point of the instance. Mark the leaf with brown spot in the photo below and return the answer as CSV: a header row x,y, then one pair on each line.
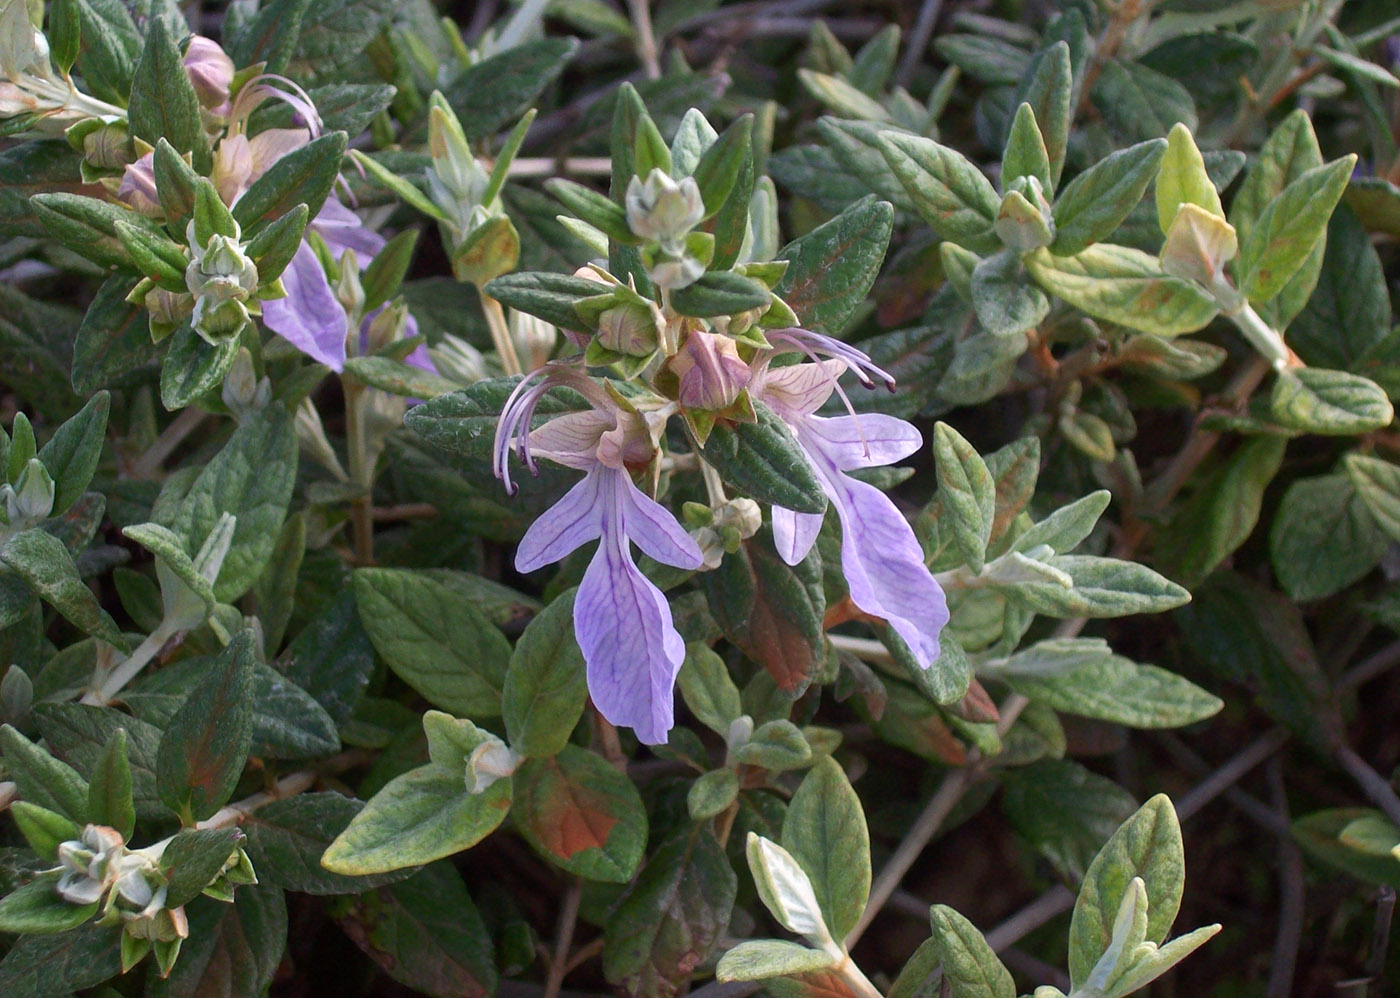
x,y
202,754
771,610
581,814
813,984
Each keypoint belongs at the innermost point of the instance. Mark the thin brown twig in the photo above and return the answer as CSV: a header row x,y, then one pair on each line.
x,y
564,939
1291,895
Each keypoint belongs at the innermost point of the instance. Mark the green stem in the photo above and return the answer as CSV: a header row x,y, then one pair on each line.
x,y
361,509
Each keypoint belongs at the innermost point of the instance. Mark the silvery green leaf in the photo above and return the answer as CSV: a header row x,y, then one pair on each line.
x,y
970,967
1334,403
1125,286
947,189
711,794
1025,154
1147,845
707,688
968,493
1064,529
785,890
825,832
758,959
1288,230
1007,302
1103,587
841,97
1095,203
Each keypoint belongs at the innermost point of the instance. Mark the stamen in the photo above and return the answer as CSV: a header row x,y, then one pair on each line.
x,y
856,360
519,412
255,91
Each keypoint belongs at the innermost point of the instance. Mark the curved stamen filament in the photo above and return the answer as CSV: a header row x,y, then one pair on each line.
x,y
519,412
857,361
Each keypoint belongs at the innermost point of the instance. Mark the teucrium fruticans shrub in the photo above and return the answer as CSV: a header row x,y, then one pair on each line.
x,y
623,522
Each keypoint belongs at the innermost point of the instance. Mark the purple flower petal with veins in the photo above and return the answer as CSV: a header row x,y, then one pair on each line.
x,y
309,317
622,621
880,556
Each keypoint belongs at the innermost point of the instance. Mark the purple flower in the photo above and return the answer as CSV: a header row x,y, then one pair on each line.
x,y
880,556
622,621
210,71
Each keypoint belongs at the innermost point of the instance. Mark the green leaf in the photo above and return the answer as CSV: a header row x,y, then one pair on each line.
x,y
967,491
40,966
1290,151
595,208
1068,526
163,102
1320,834
1065,810
287,838
425,933
398,378
41,560
1101,587
545,686
1084,678
1324,537
1377,484
1289,229
922,976
72,453
43,829
720,165
776,746
37,909
337,32
759,959
332,657
434,639
550,297
272,248
202,754
707,688
855,148
1049,84
1025,154
581,814
500,88
232,949
720,292
80,734
1221,512
303,176
771,610
1335,403
672,917
193,858
970,967
1139,103
1094,204
1125,286
110,790
193,367
834,266
64,33
464,422
423,815
269,36
1182,179
712,794
113,342
88,226
825,832
763,460
251,478
41,779
1147,845
1007,302
948,190
1349,312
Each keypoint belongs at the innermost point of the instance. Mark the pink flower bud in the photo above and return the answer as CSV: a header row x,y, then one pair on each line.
x,y
210,70
710,370
138,186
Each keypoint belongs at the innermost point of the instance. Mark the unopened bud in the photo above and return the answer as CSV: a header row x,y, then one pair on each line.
x,y
672,271
108,147
32,496
1023,225
348,289
663,209
457,359
534,339
388,326
138,187
210,71
1198,245
490,761
243,392
216,321
710,371
628,328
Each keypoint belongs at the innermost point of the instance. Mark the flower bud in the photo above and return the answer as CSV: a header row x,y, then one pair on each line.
x,y
1198,245
534,339
210,70
457,359
348,289
1024,223
243,392
628,328
31,499
389,325
710,371
89,864
673,271
138,186
490,761
663,209
108,147
167,310
217,321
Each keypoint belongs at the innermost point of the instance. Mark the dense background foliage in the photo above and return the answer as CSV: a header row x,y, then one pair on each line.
x,y
286,708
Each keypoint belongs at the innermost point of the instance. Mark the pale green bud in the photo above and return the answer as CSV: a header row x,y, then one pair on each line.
x,y
31,499
1198,245
663,209
217,321
628,328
